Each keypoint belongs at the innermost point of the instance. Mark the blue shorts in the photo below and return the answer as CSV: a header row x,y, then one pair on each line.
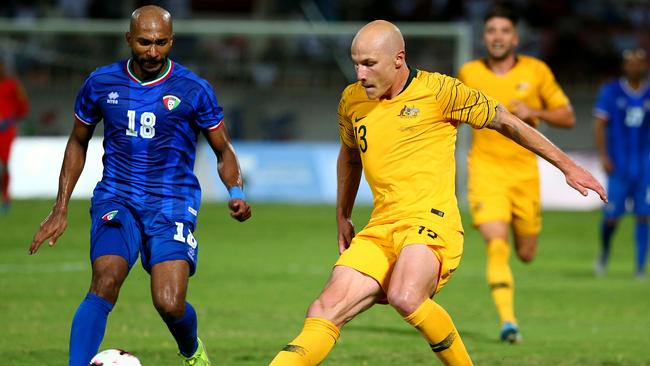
x,y
619,190
118,229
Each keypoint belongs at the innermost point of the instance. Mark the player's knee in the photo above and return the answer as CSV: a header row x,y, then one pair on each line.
x,y
405,302
526,247
170,308
527,254
107,287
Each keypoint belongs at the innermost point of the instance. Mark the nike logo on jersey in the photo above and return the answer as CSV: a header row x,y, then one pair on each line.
x,y
357,119
408,128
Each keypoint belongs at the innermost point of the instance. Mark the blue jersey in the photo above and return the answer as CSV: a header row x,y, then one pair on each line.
x,y
628,127
150,135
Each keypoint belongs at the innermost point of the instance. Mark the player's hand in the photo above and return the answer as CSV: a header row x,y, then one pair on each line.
x,y
239,209
582,181
521,110
345,233
51,229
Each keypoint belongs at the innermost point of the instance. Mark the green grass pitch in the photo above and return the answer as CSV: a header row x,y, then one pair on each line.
x,y
256,279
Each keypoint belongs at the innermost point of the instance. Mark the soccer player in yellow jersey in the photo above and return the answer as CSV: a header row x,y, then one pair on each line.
x,y
503,182
400,124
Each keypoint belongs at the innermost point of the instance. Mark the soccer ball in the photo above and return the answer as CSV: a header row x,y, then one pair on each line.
x,y
114,357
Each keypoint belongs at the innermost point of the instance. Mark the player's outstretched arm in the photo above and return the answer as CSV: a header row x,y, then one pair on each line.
x,y
348,176
512,127
73,163
229,171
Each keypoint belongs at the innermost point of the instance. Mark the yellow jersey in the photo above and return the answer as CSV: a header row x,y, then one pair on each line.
x,y
530,81
407,144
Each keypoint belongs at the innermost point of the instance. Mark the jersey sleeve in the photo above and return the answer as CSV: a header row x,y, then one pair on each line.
x,y
208,113
346,131
86,108
603,104
552,95
460,103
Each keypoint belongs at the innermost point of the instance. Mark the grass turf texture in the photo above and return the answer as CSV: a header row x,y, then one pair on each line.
x,y
256,279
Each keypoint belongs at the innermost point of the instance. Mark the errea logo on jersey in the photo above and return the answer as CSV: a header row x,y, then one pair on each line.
x,y
408,112
112,98
109,215
171,102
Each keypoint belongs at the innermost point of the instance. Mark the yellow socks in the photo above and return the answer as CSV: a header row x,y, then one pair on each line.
x,y
499,278
438,329
311,346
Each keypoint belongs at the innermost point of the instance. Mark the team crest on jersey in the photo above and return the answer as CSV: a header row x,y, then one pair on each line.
x,y
522,86
112,97
171,102
408,112
109,215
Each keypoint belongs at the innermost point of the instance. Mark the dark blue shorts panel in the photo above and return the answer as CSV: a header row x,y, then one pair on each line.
x,y
121,230
619,190
170,240
114,231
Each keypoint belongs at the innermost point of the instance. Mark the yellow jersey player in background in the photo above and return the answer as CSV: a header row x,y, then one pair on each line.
x,y
399,124
503,181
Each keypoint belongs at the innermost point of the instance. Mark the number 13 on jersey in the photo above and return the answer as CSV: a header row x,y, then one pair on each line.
x,y
360,131
147,123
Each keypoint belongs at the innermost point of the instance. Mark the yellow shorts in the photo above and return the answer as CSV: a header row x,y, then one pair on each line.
x,y
513,202
374,250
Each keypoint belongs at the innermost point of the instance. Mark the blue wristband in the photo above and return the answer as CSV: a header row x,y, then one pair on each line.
x,y
236,193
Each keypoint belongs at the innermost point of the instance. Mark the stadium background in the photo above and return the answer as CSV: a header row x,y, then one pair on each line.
x,y
279,93
281,87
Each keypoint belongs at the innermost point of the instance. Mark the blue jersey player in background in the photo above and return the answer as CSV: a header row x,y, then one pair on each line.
x,y
622,132
148,199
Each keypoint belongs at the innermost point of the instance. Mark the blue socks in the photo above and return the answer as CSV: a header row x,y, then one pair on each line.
x,y
641,236
184,331
606,232
88,327
641,240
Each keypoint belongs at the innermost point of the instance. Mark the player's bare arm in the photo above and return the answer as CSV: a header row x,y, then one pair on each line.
x,y
600,124
73,163
512,127
348,172
229,171
561,117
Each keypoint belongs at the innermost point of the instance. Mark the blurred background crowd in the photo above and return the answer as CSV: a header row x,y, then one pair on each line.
x,y
285,88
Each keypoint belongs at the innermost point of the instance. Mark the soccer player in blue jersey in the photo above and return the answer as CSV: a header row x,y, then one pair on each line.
x,y
622,133
148,198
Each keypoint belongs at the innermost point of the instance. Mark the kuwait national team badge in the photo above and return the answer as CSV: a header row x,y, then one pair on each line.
x,y
109,215
171,102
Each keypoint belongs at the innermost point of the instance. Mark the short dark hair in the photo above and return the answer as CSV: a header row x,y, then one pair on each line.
x,y
502,12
